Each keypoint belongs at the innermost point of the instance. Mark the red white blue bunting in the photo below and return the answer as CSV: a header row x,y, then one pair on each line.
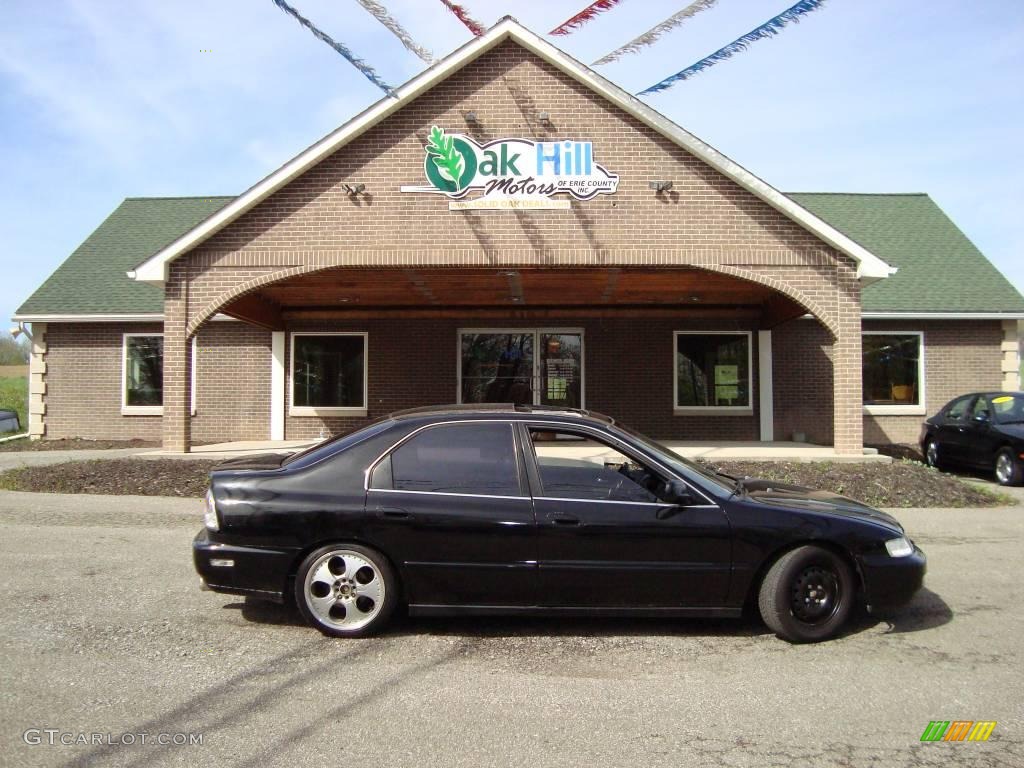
x,y
352,59
571,25
770,28
462,14
650,36
380,13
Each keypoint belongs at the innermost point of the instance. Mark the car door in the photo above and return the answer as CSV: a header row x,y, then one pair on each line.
x,y
451,503
606,539
980,440
951,433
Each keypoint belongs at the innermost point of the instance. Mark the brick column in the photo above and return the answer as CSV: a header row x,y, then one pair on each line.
x,y
177,419
847,368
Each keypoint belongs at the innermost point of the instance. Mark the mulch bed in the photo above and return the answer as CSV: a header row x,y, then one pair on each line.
x,y
900,484
74,444
127,477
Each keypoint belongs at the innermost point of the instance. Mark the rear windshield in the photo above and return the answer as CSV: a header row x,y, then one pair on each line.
x,y
340,442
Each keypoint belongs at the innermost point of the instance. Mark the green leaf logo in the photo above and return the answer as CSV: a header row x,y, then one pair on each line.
x,y
447,157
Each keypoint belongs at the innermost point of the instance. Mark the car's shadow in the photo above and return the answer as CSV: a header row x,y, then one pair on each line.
x,y
926,611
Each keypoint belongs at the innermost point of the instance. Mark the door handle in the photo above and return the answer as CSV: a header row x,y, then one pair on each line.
x,y
394,514
560,519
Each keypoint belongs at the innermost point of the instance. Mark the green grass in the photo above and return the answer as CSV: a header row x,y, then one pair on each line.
x,y
14,397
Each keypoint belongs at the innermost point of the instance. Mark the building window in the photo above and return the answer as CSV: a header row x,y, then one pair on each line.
x,y
142,374
713,372
328,373
893,372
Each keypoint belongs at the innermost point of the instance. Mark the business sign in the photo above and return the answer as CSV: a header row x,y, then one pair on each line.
x,y
511,173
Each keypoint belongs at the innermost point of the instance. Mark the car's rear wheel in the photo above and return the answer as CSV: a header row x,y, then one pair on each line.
x,y
807,595
1008,468
931,454
346,590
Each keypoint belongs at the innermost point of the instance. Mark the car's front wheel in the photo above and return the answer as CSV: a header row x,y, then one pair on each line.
x,y
1008,468
807,595
346,590
931,454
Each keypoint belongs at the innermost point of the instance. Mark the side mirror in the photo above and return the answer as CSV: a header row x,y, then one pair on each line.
x,y
982,418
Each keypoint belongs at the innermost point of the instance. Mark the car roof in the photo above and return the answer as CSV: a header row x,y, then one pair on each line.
x,y
509,410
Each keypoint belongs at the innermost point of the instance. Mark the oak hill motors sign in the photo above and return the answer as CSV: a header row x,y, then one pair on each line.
x,y
511,173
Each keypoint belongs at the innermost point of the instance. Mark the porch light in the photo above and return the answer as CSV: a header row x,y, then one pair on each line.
x,y
545,118
471,117
660,186
354,189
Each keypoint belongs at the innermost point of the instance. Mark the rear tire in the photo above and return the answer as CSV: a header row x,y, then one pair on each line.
x,y
346,590
1008,468
807,595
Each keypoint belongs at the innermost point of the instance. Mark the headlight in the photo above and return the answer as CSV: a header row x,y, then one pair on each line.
x,y
900,547
210,513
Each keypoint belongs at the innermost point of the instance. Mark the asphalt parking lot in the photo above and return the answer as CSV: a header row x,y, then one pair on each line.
x,y
105,632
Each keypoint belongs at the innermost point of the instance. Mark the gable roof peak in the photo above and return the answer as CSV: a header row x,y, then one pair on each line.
x,y
155,269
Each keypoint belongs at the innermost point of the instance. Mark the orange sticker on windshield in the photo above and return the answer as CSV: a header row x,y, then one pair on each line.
x,y
1003,399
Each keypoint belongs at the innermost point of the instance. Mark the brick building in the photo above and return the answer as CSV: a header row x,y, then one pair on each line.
x,y
510,226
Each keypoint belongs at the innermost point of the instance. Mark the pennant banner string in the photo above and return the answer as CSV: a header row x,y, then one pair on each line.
x,y
472,24
651,35
381,14
352,59
581,18
768,29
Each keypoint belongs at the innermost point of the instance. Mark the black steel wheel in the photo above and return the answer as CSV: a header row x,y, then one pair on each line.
x,y
807,595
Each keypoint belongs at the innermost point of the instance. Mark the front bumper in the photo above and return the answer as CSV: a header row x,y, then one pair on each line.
x,y
253,571
892,581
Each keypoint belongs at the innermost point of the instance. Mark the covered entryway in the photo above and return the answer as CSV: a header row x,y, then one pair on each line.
x,y
680,353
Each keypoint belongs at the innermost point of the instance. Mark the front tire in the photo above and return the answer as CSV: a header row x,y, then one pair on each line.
x,y
931,454
1008,468
807,595
346,590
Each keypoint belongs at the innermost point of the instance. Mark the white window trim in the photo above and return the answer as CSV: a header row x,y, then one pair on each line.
x,y
921,408
535,376
304,410
151,410
718,410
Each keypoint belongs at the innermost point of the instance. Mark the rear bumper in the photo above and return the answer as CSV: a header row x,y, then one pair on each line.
x,y
235,570
892,581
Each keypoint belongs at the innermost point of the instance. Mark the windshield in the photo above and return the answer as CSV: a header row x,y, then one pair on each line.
x,y
1008,409
682,465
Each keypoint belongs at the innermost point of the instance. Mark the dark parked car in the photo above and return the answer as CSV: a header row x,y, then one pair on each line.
x,y
512,509
984,430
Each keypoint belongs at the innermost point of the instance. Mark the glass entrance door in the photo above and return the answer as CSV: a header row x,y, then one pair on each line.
x,y
525,367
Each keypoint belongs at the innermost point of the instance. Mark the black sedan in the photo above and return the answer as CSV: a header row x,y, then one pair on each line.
x,y
513,509
984,430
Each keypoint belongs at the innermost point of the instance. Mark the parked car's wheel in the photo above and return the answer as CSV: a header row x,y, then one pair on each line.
x,y
807,595
1008,468
931,454
346,590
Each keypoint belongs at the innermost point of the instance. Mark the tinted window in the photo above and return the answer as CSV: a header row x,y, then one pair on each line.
x,y
458,458
576,467
981,409
958,408
1009,409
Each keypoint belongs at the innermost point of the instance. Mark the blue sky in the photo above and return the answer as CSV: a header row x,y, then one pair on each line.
x,y
106,99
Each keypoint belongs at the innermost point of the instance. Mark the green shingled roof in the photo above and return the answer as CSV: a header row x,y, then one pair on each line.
x,y
940,270
92,280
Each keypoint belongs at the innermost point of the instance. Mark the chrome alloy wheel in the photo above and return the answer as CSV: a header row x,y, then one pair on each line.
x,y
932,454
815,595
344,589
1004,468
